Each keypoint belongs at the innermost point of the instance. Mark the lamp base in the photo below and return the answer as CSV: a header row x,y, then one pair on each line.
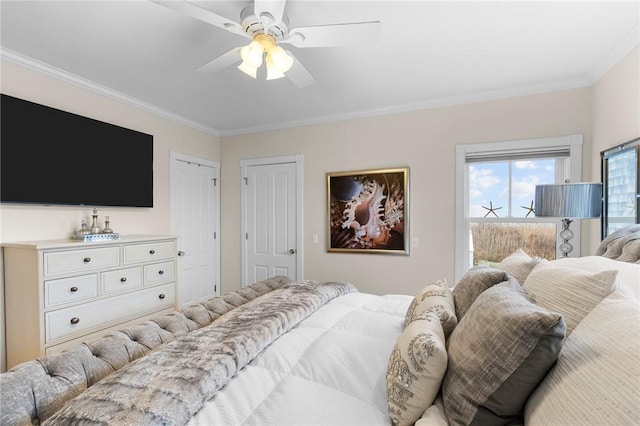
x,y
566,234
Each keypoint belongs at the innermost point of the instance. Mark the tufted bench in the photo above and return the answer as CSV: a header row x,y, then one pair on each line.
x,y
622,245
33,391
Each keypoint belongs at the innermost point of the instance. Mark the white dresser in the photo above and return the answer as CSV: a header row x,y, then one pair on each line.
x,y
62,292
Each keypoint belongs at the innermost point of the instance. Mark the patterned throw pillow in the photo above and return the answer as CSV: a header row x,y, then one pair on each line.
x,y
415,370
498,354
569,291
519,265
476,280
435,297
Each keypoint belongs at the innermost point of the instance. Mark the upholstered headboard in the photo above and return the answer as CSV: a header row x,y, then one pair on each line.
x,y
33,391
622,245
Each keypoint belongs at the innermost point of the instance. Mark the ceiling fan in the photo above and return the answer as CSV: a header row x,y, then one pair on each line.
x,y
267,26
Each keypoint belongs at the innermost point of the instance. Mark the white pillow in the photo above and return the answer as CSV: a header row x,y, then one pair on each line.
x,y
628,273
595,379
571,292
415,370
519,265
435,297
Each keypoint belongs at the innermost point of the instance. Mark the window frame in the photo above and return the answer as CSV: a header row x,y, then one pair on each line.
x,y
572,142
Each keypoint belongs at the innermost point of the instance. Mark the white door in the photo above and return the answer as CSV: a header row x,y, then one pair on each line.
x,y
195,220
272,218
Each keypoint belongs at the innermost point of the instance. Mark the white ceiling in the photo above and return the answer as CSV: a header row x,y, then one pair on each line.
x,y
429,53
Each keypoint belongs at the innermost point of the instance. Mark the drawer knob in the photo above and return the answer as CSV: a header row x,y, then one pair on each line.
x,y
123,279
161,272
75,320
73,289
161,296
87,259
152,252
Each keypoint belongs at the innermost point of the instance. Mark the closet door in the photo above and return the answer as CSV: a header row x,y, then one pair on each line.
x,y
271,218
621,186
195,220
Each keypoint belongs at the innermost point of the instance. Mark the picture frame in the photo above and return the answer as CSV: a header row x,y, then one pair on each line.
x,y
368,211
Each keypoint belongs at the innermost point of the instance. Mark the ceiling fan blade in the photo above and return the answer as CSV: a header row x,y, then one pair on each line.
x,y
298,74
203,15
334,35
275,8
223,61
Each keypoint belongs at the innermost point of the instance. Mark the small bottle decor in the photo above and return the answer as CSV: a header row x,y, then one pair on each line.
x,y
95,228
107,229
84,230
94,233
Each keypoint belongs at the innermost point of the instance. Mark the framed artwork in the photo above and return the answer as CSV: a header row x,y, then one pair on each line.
x,y
368,211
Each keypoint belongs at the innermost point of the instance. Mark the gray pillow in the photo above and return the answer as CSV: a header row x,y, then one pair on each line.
x,y
476,280
498,354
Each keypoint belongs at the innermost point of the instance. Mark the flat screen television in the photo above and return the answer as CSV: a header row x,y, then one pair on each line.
x,y
49,156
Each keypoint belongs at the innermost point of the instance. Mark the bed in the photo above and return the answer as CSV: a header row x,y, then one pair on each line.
x,y
525,342
267,355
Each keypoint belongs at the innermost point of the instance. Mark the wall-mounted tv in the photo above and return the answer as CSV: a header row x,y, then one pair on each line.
x,y
50,156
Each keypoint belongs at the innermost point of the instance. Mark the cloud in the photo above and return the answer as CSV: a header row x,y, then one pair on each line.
x,y
479,180
530,165
475,193
525,188
476,210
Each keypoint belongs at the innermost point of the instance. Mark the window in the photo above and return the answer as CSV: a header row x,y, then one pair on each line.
x,y
621,186
495,191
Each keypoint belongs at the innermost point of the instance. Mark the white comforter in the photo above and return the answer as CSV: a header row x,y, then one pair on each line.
x,y
330,369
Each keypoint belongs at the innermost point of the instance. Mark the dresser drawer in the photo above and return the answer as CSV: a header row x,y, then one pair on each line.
x,y
66,290
137,253
121,280
80,260
98,314
159,273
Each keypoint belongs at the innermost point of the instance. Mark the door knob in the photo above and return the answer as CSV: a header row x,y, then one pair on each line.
x,y
292,251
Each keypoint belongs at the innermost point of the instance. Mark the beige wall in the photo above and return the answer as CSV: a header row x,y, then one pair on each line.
x,y
21,223
616,114
423,140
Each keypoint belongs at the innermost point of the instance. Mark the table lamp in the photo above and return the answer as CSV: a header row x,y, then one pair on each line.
x,y
568,201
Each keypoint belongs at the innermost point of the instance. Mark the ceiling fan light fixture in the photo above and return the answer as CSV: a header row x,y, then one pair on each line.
x,y
273,73
248,70
279,59
252,54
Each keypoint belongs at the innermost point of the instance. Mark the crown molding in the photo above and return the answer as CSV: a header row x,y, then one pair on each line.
x,y
76,80
631,40
417,106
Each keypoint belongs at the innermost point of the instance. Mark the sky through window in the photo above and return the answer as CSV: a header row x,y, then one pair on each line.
x,y
507,186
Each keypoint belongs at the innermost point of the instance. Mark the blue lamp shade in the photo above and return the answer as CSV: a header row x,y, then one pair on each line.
x,y
569,200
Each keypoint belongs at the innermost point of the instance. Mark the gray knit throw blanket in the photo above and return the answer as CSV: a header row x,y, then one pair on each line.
x,y
171,384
